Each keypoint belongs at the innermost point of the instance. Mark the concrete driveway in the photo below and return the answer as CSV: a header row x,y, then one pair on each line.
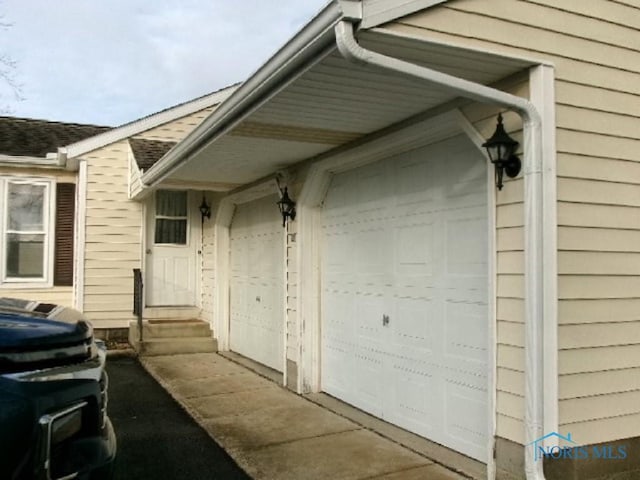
x,y
274,434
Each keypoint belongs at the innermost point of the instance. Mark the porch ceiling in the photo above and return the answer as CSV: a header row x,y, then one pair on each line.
x,y
333,103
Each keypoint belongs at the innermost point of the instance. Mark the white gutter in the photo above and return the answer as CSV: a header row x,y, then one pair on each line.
x,y
278,72
533,205
25,161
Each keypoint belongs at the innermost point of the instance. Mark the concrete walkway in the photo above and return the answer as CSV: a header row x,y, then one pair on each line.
x,y
275,434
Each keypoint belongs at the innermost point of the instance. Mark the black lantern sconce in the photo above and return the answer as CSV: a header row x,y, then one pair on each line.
x,y
205,209
501,149
287,207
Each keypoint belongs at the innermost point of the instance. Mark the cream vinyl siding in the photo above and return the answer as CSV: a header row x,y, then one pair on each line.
x,y
594,48
113,234
114,226
135,181
178,129
58,295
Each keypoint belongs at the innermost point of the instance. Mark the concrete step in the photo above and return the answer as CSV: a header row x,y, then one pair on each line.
x,y
171,313
173,346
171,329
167,337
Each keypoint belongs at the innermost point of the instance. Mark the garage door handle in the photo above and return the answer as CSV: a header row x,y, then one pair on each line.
x,y
385,320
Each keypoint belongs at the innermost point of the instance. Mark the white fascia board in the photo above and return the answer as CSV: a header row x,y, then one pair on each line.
x,y
377,12
307,46
29,162
146,123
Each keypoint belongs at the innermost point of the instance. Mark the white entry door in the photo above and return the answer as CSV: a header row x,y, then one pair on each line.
x,y
173,236
257,282
404,293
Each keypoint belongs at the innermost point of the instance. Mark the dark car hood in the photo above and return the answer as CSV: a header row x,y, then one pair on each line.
x,y
20,332
37,335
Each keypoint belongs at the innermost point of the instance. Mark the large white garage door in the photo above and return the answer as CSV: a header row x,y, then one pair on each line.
x,y
404,323
257,282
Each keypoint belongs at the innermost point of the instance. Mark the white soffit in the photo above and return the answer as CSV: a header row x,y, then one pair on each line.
x,y
335,102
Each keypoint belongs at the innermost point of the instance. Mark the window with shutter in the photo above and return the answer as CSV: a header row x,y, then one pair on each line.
x,y
64,243
25,236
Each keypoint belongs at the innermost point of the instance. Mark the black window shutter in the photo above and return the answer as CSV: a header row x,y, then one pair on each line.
x,y
65,214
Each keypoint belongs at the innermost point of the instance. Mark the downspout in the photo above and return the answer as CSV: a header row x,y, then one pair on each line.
x,y
532,171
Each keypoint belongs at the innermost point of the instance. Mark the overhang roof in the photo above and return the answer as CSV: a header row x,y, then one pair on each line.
x,y
313,101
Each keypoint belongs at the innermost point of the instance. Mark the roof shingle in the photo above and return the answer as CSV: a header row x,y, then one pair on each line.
x,y
27,137
148,152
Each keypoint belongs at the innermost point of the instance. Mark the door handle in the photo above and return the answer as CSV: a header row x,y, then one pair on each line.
x,y
148,251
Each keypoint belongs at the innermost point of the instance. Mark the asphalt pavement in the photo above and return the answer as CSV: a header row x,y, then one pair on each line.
x,y
157,439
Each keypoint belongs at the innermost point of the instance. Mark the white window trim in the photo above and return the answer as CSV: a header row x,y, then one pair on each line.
x,y
49,231
169,217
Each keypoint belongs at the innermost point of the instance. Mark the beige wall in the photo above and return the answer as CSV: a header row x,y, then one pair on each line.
x,y
114,226
112,239
593,45
135,176
178,129
57,295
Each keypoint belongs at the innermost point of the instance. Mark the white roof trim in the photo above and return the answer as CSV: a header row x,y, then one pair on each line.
x,y
20,161
377,12
146,123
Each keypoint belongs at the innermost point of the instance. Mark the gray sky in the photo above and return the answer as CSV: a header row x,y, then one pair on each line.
x,y
108,62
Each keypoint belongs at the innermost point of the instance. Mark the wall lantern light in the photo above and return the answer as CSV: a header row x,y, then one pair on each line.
x,y
205,208
501,149
287,207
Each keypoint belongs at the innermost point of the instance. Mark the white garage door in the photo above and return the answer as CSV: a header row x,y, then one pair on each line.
x,y
257,282
404,329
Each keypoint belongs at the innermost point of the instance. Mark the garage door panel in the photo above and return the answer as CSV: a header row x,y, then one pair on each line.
x,y
466,331
257,282
372,187
413,399
461,289
414,177
407,238
336,357
368,319
414,249
367,387
469,187
465,418
371,250
413,325
339,257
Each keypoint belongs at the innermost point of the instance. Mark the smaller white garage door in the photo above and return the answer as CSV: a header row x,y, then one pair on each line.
x,y
404,302
257,282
